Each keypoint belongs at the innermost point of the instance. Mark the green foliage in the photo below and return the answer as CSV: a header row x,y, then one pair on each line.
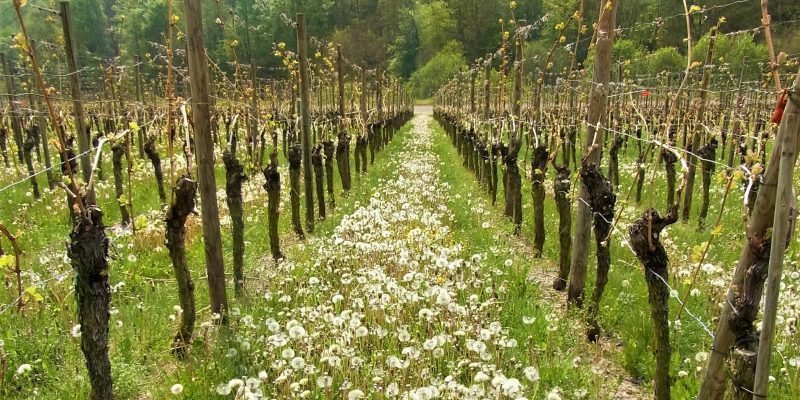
x,y
436,26
537,50
405,49
627,53
732,52
665,59
426,80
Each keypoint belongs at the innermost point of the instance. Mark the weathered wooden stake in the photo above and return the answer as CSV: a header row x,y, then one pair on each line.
x,y
305,113
593,151
77,98
204,152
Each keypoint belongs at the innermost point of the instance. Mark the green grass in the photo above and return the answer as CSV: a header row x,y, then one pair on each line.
x,y
141,330
624,312
550,342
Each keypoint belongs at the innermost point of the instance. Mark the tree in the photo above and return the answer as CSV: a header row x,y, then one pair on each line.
x,y
426,80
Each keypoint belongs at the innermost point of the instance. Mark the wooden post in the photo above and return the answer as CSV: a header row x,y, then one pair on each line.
x,y
516,106
204,153
790,127
42,122
362,101
766,21
253,119
16,123
77,99
761,220
139,102
487,70
472,106
340,84
305,112
593,149
699,130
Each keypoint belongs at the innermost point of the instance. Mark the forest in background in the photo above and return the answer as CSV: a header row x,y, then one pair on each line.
x,y
422,42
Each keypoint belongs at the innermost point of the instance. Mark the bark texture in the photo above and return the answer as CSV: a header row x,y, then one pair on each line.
x,y
183,204
88,252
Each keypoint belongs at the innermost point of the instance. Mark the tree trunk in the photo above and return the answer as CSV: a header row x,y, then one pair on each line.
x,y
561,187
28,147
118,151
343,159
494,154
234,177
182,205
669,166
319,179
651,253
328,147
273,187
515,184
708,156
745,336
4,145
538,174
613,161
155,159
88,252
602,201
698,131
363,150
295,161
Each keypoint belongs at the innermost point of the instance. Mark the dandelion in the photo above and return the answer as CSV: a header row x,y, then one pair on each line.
x,y
531,373
287,353
176,389
362,331
297,332
392,390
554,394
480,377
512,387
355,395
508,262
298,363
223,389
324,381
701,356
75,331
24,369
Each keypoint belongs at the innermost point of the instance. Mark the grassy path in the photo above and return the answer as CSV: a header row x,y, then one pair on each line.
x,y
482,225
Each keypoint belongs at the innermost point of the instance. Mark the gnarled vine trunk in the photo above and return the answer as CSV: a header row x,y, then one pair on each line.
x,y
234,177
295,160
183,203
88,252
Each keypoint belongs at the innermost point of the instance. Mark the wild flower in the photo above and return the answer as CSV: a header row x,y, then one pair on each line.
x,y
176,389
